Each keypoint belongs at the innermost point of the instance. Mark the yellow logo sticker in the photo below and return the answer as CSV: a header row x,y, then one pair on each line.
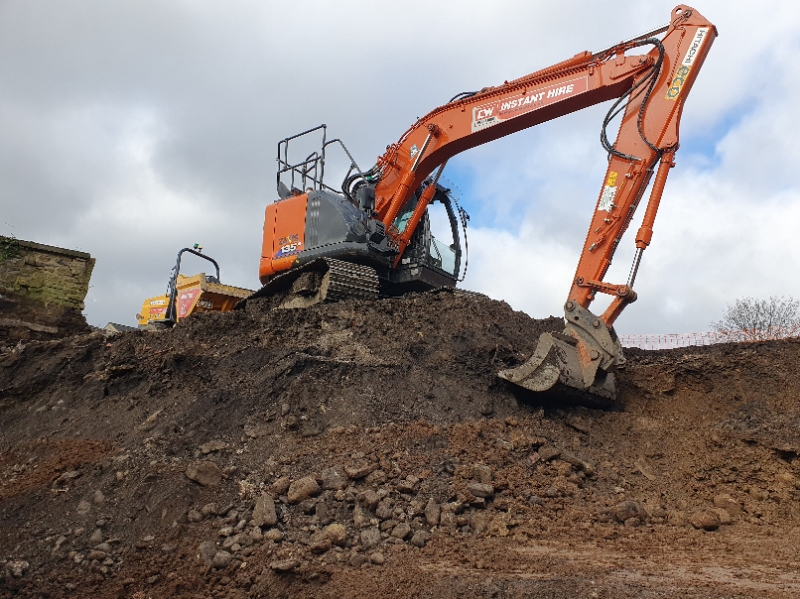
x,y
683,71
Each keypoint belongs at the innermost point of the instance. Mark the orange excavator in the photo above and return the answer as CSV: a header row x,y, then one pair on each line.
x,y
373,238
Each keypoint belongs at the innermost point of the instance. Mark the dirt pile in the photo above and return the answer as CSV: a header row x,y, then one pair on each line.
x,y
360,449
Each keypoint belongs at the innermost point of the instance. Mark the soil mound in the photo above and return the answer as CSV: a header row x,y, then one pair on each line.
x,y
368,449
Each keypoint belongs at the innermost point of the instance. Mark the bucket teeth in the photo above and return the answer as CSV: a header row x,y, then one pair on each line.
x,y
576,363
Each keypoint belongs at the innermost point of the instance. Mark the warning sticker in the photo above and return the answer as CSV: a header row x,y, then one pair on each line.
x,y
607,198
503,109
609,193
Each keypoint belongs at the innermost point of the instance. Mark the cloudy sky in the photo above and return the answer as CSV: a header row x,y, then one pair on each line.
x,y
130,129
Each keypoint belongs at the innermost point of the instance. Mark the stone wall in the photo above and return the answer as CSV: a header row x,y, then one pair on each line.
x,y
42,289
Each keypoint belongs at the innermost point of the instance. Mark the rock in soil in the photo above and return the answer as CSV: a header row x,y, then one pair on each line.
x,y
302,489
704,518
204,473
264,511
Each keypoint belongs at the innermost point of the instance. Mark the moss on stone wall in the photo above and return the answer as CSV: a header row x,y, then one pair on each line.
x,y
48,274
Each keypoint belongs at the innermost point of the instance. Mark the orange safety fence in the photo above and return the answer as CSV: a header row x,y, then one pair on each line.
x,y
678,340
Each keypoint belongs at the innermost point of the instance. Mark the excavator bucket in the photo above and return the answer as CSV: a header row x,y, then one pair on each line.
x,y
577,364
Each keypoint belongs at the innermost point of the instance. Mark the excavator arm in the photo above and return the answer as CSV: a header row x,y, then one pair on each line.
x,y
650,89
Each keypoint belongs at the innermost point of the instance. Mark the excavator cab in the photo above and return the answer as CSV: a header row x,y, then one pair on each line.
x,y
311,226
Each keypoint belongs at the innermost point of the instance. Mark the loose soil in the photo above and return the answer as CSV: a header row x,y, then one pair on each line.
x,y
369,450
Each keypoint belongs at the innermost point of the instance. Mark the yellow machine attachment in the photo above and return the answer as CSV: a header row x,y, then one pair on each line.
x,y
187,295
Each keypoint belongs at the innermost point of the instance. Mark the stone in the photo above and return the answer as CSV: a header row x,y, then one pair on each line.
x,y
482,473
728,503
322,513
358,560
84,507
206,552
336,533
387,525
376,478
359,471
285,565
96,537
503,444
377,558
758,494
320,545
97,554
273,534
481,490
704,519
420,538
370,537
368,499
479,522
98,498
724,516
254,431
204,473
577,462
264,511
226,531
497,527
432,513
212,446
334,479
448,520
18,568
360,517
221,559
256,535
401,531
280,486
633,522
232,540
302,489
548,452
408,486
209,509
104,547
194,516
629,509
384,511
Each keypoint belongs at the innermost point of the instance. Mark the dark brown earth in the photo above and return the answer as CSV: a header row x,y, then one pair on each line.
x,y
397,463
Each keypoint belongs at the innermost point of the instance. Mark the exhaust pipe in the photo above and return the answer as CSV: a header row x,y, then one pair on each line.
x,y
579,362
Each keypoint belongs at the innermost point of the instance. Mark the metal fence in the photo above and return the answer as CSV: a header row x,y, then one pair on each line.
x,y
678,340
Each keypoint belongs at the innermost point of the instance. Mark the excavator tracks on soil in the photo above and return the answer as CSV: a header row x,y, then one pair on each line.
x,y
323,280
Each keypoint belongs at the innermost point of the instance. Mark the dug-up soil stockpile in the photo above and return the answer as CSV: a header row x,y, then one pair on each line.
x,y
368,450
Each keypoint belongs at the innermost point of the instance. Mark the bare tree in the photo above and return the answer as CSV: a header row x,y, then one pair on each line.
x,y
758,319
